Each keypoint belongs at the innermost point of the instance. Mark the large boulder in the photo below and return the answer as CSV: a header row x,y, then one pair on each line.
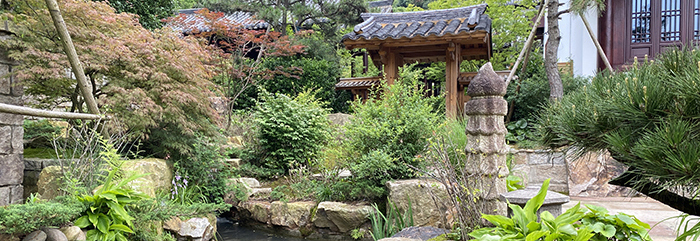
x,y
256,210
73,233
196,229
291,215
159,178
37,235
341,217
53,234
429,200
49,183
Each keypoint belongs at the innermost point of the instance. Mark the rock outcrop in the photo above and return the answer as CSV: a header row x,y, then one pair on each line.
x,y
428,199
160,175
341,217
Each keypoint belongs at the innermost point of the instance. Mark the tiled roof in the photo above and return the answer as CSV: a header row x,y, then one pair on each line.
x,y
195,21
357,83
424,23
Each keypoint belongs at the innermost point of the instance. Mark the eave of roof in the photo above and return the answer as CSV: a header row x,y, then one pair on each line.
x,y
195,22
445,22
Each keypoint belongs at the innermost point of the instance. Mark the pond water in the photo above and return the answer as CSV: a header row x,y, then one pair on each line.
x,y
229,231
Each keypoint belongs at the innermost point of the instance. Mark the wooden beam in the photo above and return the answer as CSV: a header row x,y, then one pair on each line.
x,y
419,49
21,110
464,38
452,61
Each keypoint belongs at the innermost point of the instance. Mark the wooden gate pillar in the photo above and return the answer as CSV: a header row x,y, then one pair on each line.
x,y
452,60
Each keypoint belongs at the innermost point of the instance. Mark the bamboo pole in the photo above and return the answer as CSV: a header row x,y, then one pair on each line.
x,y
528,43
597,44
21,110
72,56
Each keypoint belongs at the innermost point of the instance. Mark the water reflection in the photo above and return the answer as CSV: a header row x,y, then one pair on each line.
x,y
228,231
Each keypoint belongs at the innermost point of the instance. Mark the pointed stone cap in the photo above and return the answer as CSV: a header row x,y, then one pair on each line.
x,y
487,83
521,197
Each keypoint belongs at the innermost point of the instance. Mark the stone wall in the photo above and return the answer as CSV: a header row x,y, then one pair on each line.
x,y
11,132
32,169
535,166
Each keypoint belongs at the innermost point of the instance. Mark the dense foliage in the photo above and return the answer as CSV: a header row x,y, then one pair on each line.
x,y
508,29
150,80
291,131
150,12
25,218
388,131
647,118
317,74
40,133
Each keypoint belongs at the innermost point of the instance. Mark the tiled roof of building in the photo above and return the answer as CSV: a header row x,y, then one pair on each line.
x,y
424,23
195,21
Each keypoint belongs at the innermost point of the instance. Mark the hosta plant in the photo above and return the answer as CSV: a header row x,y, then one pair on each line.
x,y
575,224
106,216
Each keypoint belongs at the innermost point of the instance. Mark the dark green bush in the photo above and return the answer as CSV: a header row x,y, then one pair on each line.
x,y
205,167
394,127
40,133
290,131
25,218
647,118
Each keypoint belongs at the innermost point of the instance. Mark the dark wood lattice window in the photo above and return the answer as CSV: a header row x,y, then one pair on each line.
x,y
641,21
670,20
657,25
696,20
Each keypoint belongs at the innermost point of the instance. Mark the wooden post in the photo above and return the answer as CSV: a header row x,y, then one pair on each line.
x,y
452,60
393,61
68,47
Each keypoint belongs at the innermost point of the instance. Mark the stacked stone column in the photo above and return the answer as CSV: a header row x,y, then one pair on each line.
x,y
11,132
486,152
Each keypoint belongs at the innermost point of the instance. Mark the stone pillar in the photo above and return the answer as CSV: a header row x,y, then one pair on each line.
x,y
11,132
486,145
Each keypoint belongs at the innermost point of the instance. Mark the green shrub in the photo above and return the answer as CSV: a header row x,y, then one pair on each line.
x,y
40,133
393,127
205,167
25,218
290,131
647,118
317,74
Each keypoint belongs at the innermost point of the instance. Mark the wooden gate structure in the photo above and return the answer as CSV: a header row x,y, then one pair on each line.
x,y
449,35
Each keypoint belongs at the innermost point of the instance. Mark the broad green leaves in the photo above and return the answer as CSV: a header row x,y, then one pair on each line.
x,y
575,224
107,217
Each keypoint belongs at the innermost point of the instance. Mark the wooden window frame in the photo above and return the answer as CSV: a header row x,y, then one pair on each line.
x,y
656,46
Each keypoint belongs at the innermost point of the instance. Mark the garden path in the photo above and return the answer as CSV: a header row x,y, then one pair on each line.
x,y
645,209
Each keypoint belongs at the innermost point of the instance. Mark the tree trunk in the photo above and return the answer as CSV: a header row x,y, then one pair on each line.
x,y
552,47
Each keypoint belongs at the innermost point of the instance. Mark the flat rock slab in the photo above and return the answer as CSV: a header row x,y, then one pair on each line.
x,y
399,239
420,233
341,217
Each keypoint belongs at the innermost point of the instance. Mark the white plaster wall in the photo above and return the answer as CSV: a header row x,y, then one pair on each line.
x,y
575,43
